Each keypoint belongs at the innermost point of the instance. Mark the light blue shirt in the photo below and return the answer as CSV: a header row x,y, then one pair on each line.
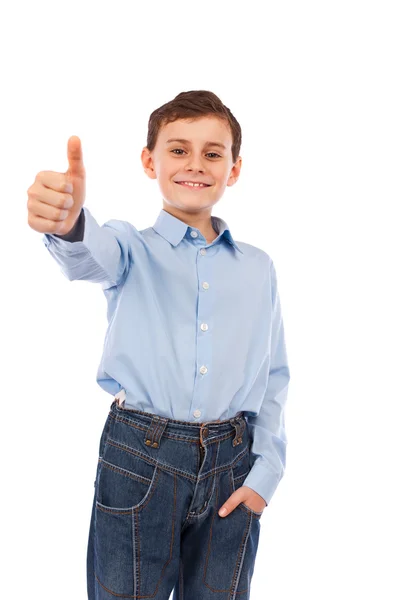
x,y
195,329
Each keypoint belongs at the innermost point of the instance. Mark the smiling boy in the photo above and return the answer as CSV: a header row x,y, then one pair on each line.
x,y
194,356
205,143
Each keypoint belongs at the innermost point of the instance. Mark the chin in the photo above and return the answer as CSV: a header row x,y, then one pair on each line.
x,y
185,202
190,207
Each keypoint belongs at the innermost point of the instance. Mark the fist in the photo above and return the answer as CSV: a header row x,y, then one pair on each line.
x,y
55,200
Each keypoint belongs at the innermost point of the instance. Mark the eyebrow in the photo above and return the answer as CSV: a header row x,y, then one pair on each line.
x,y
182,141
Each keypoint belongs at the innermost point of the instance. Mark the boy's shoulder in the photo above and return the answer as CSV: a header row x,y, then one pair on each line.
x,y
253,251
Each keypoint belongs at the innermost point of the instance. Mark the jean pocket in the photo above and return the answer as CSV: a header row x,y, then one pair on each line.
x,y
124,480
134,518
237,482
239,472
129,523
231,545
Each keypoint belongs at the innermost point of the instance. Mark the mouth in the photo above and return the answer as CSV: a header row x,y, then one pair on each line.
x,y
202,186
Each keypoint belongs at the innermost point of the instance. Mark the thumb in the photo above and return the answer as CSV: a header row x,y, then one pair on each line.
x,y
234,499
75,158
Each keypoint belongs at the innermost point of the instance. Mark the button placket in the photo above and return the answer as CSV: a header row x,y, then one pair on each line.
x,y
203,346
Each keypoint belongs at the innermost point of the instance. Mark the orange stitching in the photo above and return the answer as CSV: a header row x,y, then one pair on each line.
x,y
171,469
208,553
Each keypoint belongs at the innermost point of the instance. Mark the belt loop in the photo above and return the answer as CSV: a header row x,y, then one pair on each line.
x,y
239,424
155,430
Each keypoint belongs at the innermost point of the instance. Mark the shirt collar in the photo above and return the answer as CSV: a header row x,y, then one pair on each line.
x,y
173,229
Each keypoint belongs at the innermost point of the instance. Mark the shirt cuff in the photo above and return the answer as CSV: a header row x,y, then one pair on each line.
x,y
77,232
263,481
69,243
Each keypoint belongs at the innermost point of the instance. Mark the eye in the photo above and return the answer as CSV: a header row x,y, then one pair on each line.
x,y
180,150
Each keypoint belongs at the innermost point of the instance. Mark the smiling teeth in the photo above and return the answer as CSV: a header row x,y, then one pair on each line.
x,y
193,184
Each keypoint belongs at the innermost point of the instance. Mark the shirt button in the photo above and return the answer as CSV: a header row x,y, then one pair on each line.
x,y
197,413
206,285
194,233
203,251
203,369
204,326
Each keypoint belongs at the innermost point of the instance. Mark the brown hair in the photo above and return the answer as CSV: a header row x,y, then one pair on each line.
x,y
193,105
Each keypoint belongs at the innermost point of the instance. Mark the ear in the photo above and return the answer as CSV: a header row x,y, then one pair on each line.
x,y
147,162
235,172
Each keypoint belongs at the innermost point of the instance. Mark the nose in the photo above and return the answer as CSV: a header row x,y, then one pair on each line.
x,y
194,170
194,163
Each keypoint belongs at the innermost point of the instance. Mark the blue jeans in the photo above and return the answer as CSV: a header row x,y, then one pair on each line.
x,y
155,527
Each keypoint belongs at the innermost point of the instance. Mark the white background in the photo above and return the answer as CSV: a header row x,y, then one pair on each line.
x,y
315,87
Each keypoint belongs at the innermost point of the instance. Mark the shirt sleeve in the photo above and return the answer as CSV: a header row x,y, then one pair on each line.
x,y
268,427
102,255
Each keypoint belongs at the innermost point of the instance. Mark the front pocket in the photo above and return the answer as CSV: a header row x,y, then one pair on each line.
x,y
232,545
132,516
237,482
120,487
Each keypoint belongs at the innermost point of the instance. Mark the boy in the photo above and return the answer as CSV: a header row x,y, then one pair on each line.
x,y
195,358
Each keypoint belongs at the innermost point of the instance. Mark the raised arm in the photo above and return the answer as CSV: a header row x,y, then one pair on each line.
x,y
82,248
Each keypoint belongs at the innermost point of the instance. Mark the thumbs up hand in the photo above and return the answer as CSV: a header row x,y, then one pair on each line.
x,y
55,200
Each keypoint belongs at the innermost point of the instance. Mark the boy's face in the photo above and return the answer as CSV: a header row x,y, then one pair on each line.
x,y
195,160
